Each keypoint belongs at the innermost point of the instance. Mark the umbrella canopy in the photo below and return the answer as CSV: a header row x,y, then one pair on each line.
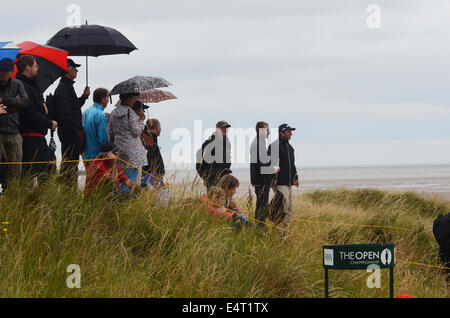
x,y
91,40
155,96
8,50
52,62
139,84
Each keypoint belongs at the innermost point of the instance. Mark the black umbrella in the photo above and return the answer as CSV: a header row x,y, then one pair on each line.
x,y
139,84
91,40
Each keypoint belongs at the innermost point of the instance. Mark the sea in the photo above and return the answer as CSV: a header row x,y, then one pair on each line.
x,y
427,180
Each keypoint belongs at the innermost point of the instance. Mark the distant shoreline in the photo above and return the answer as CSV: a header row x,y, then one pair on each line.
x,y
426,180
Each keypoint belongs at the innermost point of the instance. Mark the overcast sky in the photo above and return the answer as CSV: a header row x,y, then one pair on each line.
x,y
357,96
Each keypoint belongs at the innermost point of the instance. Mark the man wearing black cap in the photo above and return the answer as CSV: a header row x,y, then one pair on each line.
x,y
13,99
282,155
214,157
68,113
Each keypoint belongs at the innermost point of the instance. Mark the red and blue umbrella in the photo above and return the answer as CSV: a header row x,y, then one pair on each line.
x,y
52,62
8,50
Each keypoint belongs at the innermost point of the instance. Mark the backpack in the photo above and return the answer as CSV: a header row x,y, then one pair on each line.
x,y
51,106
201,166
441,231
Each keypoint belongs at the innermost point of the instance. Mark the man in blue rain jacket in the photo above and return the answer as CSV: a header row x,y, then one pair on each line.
x,y
95,124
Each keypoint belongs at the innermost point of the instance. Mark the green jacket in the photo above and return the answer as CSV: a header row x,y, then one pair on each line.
x,y
15,98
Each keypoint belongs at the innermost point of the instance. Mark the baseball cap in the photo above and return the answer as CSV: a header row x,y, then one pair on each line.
x,y
284,127
140,105
70,63
6,64
223,124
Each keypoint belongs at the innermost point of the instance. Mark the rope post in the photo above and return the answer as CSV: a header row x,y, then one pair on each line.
x,y
391,282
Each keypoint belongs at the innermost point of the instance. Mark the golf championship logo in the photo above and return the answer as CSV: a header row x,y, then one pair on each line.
x,y
370,257
386,257
328,257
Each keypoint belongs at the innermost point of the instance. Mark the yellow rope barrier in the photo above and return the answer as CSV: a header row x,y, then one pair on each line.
x,y
352,224
247,216
50,162
301,220
297,234
233,211
424,265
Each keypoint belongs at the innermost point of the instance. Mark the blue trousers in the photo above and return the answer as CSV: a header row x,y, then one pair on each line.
x,y
132,174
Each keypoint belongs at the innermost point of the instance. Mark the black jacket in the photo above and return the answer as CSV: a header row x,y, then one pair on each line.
x,y
285,160
68,110
206,164
9,123
259,159
155,159
441,231
33,119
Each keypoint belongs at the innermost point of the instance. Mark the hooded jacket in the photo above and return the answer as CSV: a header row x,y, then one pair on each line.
x,y
33,119
9,122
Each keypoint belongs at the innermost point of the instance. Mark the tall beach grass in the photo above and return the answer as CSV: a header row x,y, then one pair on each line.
x,y
135,248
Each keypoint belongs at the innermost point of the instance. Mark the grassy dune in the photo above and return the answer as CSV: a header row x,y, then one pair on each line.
x,y
133,248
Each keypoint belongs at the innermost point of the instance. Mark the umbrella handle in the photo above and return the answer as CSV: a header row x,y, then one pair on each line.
x,y
87,63
87,68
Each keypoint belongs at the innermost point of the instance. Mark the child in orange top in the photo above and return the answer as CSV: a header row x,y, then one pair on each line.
x,y
215,203
229,184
